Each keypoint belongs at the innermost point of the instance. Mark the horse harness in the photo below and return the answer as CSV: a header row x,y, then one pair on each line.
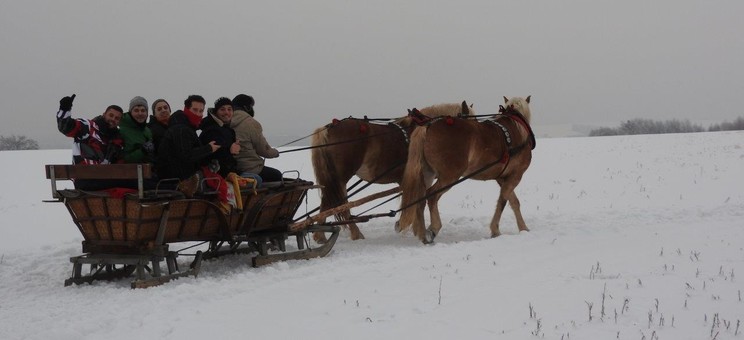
x,y
519,119
364,123
405,133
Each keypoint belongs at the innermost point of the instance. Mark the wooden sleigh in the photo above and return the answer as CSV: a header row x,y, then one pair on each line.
x,y
134,234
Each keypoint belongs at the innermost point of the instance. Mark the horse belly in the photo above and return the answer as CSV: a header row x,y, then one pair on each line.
x,y
380,161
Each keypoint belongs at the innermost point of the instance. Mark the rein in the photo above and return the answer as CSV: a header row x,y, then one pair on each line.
x,y
301,138
358,190
448,186
336,121
335,143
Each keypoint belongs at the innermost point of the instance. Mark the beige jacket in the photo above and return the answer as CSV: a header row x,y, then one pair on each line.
x,y
253,144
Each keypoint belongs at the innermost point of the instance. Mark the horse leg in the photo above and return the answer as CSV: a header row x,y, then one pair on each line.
x,y
433,202
514,204
418,223
356,234
507,189
320,237
334,194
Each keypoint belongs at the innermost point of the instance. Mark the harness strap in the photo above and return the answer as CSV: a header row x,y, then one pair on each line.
x,y
503,128
419,118
519,118
403,131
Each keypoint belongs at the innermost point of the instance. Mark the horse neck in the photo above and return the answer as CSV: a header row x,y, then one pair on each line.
x,y
527,117
523,122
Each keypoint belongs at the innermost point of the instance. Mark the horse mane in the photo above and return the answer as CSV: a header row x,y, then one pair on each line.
x,y
448,109
437,110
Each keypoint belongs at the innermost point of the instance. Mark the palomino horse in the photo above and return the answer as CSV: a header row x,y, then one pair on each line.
x,y
374,152
498,148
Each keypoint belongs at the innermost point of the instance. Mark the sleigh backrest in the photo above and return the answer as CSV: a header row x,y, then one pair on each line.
x,y
57,172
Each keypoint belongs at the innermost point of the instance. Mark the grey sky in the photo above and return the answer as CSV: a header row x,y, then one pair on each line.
x,y
307,62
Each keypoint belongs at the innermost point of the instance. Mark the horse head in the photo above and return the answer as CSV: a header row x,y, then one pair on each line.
x,y
519,104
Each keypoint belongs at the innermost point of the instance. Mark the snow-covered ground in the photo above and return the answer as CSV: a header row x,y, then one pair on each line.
x,y
632,237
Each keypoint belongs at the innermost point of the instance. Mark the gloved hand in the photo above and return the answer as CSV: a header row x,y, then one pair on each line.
x,y
148,147
273,153
65,104
214,165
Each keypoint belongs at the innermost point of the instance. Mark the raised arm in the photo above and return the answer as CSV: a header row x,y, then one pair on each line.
x,y
70,127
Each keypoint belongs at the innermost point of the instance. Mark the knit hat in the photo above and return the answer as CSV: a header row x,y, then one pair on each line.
x,y
137,101
222,101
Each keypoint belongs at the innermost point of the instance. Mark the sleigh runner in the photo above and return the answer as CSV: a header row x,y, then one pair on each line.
x,y
134,234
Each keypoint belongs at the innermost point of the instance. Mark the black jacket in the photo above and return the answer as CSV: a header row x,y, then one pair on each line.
x,y
158,131
215,130
180,153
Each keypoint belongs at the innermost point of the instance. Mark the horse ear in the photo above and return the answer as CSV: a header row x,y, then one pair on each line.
x,y
464,111
528,99
506,100
409,111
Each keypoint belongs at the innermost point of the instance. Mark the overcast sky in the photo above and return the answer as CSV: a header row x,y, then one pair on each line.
x,y
307,62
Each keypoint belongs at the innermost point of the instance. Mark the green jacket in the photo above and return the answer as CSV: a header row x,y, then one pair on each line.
x,y
134,135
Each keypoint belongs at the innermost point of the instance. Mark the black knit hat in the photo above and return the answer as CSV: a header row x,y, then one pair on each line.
x,y
222,101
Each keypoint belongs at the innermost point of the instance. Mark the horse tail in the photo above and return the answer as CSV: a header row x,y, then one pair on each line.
x,y
331,192
413,184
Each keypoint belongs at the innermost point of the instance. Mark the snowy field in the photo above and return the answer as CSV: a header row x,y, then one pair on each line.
x,y
632,237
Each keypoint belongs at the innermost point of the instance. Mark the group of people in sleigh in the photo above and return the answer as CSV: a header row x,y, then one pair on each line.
x,y
222,143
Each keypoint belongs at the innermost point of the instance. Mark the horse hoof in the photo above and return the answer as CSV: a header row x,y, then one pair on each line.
x,y
320,238
397,226
428,236
359,236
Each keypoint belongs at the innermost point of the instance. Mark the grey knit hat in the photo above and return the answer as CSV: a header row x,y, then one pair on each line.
x,y
136,101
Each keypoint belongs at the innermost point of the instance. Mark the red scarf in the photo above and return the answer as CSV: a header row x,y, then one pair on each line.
x,y
194,119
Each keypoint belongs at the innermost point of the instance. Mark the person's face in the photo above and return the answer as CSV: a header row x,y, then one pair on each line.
x,y
112,117
162,111
139,113
197,108
225,113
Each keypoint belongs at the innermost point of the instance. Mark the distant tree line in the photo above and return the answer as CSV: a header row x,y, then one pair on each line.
x,y
640,126
14,142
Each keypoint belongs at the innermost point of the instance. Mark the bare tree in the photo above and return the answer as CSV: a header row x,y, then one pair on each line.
x,y
641,126
737,124
14,142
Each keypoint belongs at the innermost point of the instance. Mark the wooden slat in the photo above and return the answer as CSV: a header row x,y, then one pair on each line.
x,y
107,171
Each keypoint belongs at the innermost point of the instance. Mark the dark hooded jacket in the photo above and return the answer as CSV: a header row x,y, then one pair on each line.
x,y
180,152
213,129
